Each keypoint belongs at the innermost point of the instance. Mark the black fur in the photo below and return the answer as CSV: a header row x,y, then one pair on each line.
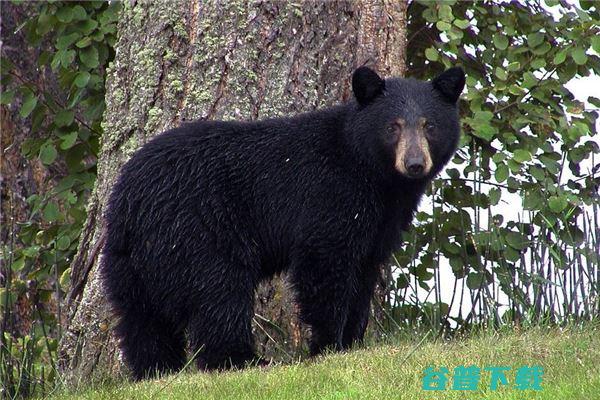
x,y
450,83
204,212
366,85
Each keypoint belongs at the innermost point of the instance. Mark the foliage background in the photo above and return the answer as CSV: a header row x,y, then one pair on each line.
x,y
60,95
516,216
528,145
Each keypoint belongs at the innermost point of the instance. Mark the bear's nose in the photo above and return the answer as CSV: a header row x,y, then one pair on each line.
x,y
415,166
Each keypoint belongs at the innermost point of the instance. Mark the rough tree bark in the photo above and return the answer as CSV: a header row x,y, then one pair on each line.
x,y
178,61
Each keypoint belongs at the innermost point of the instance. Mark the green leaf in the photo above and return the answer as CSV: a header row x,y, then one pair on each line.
x,y
462,23
89,57
501,173
6,65
516,89
75,97
17,265
75,156
45,24
451,248
55,61
501,73
500,41
494,196
112,12
68,140
443,26
537,173
514,166
65,278
48,153
543,49
579,56
44,58
109,29
498,157
485,131
66,183
557,203
64,14
551,165
445,13
79,13
532,200
98,36
538,63
560,57
529,80
514,66
70,197
516,240
63,243
475,280
29,103
87,27
596,43
594,101
7,97
535,39
51,212
521,155
32,251
84,42
484,116
431,54
64,118
82,79
65,41
65,57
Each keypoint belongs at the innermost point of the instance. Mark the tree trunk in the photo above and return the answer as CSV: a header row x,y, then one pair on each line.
x,y
178,61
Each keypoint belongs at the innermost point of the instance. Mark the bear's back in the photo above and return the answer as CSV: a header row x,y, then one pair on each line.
x,y
255,176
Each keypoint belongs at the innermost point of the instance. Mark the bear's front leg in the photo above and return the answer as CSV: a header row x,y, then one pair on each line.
x,y
360,305
323,284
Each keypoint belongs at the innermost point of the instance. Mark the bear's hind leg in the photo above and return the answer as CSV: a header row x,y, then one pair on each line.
x,y
150,345
220,328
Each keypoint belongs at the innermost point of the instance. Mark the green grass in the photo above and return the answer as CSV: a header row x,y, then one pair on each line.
x,y
570,358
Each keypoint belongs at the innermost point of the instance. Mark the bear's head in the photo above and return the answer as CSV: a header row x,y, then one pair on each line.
x,y
409,128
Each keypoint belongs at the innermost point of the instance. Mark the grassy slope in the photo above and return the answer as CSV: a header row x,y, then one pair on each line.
x,y
571,359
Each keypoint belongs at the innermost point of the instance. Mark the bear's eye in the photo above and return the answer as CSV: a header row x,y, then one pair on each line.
x,y
390,134
429,126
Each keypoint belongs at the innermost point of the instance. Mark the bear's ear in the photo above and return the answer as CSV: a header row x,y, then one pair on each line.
x,y
450,83
366,85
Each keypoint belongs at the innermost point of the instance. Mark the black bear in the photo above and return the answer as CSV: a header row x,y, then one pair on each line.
x,y
204,212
